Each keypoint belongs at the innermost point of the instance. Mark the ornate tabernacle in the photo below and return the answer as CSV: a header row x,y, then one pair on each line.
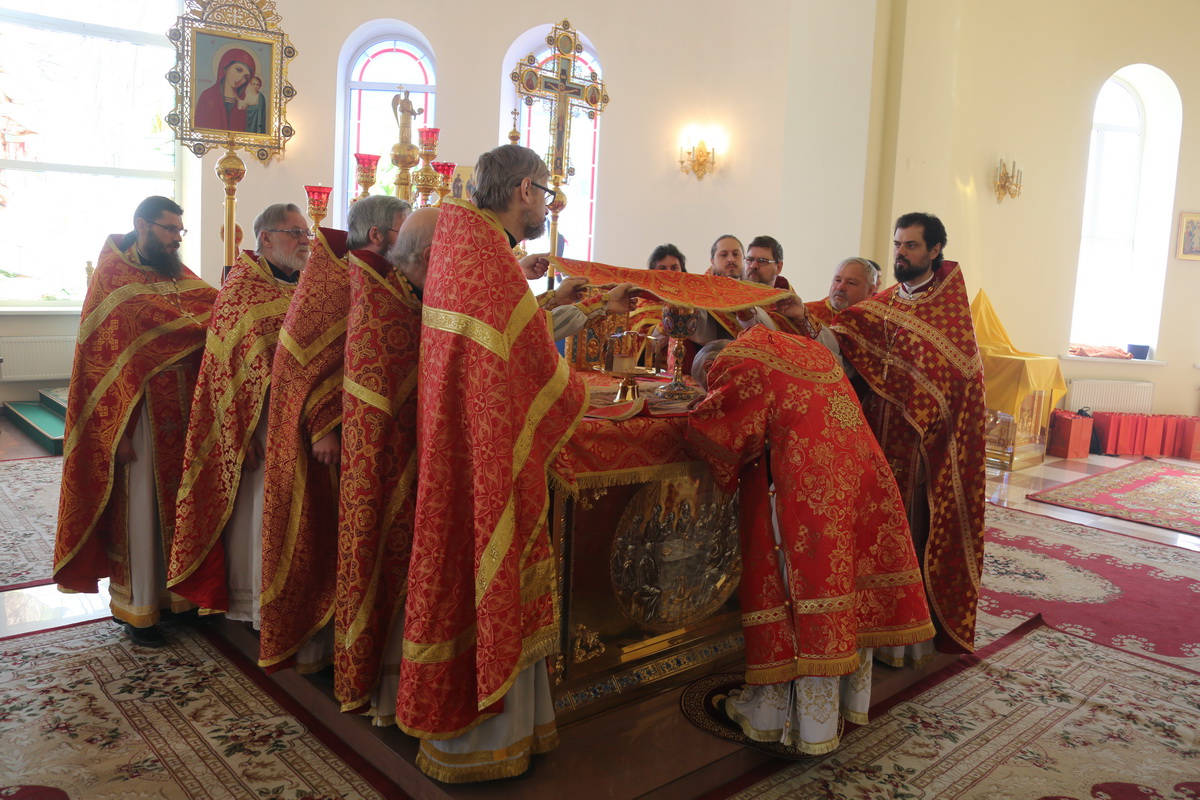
x,y
1017,442
649,560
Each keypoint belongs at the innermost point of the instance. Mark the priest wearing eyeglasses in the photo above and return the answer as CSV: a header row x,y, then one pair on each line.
x,y
216,558
140,337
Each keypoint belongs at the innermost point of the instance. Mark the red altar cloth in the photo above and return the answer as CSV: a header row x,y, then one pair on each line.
x,y
647,447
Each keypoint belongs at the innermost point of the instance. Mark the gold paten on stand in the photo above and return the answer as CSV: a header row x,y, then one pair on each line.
x,y
405,154
230,169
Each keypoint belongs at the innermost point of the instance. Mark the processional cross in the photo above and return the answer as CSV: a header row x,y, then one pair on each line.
x,y
568,94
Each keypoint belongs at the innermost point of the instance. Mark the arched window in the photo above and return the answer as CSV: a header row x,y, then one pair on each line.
x,y
1127,209
576,224
377,70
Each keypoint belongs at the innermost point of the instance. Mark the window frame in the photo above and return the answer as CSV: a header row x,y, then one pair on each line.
x,y
351,124
91,30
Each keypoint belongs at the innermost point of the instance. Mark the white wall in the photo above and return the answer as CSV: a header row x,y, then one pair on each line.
x,y
667,65
979,81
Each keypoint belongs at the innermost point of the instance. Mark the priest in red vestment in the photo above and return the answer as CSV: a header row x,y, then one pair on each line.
x,y
829,569
914,345
377,497
217,553
140,336
496,405
854,280
304,447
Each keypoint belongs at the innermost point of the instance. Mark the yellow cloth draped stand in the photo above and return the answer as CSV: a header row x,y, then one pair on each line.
x,y
1022,386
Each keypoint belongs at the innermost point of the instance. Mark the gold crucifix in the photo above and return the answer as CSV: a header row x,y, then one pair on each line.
x,y
568,94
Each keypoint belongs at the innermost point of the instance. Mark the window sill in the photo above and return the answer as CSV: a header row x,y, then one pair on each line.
x,y
1094,360
34,311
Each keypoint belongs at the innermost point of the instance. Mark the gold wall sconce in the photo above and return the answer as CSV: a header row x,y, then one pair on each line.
x,y
1008,183
697,160
698,150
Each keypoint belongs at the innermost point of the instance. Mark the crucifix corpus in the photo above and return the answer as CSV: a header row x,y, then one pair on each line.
x,y
559,83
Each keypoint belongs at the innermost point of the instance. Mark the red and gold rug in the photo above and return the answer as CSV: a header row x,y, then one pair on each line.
x,y
28,513
1038,714
1113,589
1163,495
86,715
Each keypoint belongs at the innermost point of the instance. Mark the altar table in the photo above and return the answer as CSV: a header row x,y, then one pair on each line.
x,y
648,559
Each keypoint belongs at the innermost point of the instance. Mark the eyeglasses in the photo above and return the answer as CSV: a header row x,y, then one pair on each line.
x,y
553,194
297,233
759,261
171,229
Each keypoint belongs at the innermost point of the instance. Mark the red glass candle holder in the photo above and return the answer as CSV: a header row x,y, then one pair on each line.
x,y
428,137
365,173
318,202
443,168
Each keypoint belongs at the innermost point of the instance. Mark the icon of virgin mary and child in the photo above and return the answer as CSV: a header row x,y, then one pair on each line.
x,y
235,101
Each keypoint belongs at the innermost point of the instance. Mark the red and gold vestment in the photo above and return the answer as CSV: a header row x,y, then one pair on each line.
x,y
921,361
780,410
379,472
496,405
300,494
235,374
821,311
139,340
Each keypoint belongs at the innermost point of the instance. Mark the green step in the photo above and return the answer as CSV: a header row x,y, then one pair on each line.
x,y
40,423
54,399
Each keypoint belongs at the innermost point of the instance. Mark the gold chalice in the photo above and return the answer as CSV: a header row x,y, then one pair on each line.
x,y
678,322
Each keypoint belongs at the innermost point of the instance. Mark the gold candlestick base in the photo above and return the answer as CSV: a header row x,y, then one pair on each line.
x,y
627,390
677,389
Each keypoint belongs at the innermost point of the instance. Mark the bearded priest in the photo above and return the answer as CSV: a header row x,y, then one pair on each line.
x,y
216,559
140,337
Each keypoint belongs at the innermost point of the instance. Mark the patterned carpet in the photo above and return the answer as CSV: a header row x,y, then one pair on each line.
x,y
1151,492
28,511
1043,715
91,716
1112,589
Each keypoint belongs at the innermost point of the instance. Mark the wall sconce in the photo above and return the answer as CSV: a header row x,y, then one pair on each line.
x,y
1008,183
697,160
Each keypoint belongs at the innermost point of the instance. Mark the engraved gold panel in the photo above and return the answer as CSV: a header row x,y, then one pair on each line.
x,y
675,557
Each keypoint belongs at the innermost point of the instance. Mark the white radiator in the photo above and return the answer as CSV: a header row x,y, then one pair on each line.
x,y
36,358
1133,397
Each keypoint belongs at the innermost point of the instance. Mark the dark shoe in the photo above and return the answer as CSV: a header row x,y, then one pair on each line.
x,y
323,676
145,637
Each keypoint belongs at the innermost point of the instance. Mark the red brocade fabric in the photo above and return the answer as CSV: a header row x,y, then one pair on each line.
x,y
678,288
780,409
379,472
300,496
230,393
821,311
921,361
139,340
496,404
